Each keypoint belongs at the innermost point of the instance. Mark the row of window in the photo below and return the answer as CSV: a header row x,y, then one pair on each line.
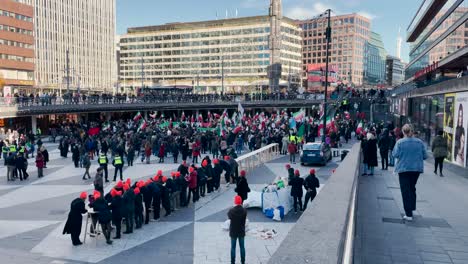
x,y
196,43
16,16
16,44
195,35
16,30
131,75
197,65
332,59
15,58
335,22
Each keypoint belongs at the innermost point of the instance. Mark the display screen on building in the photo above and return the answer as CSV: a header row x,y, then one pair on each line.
x,y
316,76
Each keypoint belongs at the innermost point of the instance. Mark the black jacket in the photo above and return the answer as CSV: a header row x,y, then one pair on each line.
x,y
128,202
242,188
296,186
104,213
237,215
138,203
311,183
73,224
183,170
116,207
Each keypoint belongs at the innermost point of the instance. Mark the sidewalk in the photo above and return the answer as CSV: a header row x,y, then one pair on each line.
x,y
438,233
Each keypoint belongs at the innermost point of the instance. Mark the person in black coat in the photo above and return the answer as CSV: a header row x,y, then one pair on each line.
x,y
21,166
156,192
217,171
296,190
75,219
370,154
147,198
201,181
237,216
290,172
116,206
182,186
242,188
138,207
227,168
75,154
310,184
384,146
165,195
128,205
104,215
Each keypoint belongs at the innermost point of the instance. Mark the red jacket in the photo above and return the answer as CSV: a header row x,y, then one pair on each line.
x,y
40,161
292,148
148,151
192,180
196,149
161,151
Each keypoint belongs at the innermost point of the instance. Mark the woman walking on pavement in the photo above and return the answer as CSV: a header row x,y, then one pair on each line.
x,y
439,150
410,154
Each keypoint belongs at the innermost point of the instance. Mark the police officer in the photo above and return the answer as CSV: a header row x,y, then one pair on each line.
x,y
118,164
103,161
13,149
5,150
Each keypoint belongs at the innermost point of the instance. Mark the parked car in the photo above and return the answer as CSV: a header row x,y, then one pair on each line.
x,y
316,153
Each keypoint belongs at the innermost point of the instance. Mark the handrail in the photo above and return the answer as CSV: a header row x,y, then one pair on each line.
x,y
348,247
260,156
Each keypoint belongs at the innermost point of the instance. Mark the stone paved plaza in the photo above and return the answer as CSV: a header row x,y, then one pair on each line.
x,y
33,213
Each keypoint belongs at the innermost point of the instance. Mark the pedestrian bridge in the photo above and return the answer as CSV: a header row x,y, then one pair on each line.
x,y
18,109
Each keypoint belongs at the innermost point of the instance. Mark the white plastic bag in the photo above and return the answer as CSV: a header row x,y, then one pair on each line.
x,y
276,215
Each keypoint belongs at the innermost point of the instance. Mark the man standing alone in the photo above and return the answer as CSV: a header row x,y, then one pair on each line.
x,y
410,153
238,216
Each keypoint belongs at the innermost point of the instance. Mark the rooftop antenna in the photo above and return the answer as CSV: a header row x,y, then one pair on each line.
x,y
399,41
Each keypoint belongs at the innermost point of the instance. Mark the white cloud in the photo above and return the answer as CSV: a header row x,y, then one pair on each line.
x,y
367,15
303,11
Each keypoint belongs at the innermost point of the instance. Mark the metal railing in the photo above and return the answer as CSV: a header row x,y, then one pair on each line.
x,y
260,156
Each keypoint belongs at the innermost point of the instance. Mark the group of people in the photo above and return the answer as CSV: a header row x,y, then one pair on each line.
x,y
16,154
141,202
407,153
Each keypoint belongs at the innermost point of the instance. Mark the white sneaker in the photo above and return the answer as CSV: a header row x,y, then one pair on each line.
x,y
408,218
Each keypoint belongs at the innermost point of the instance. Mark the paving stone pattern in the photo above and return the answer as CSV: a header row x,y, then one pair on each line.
x,y
438,234
33,213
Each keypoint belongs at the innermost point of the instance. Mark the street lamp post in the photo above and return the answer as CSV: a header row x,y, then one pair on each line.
x,y
328,36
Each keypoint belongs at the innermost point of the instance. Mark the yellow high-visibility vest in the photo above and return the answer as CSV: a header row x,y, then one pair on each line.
x,y
118,160
12,148
102,159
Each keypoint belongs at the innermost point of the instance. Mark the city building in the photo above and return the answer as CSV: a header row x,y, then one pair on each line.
x,y
374,61
16,45
228,55
350,33
434,96
82,32
394,71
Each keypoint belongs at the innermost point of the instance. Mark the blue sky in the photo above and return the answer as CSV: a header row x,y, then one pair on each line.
x,y
387,15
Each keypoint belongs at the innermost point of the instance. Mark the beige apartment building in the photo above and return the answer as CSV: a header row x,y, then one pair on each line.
x,y
230,54
350,34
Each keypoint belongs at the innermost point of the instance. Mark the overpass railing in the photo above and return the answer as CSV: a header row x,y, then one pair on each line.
x,y
260,156
325,231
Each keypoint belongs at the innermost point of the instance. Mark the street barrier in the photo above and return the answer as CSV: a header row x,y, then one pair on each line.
x,y
260,156
325,231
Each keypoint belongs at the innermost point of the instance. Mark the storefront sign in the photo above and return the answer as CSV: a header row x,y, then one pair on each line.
x,y
426,70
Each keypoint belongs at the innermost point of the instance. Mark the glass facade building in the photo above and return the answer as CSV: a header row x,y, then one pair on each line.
x,y
374,63
207,55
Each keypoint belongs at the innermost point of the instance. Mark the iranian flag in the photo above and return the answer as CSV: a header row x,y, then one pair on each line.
x,y
137,117
154,114
299,116
143,125
183,116
222,127
106,126
359,128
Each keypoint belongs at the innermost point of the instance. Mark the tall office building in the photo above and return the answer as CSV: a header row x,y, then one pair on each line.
x,y
233,54
17,45
394,71
86,29
350,33
374,61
